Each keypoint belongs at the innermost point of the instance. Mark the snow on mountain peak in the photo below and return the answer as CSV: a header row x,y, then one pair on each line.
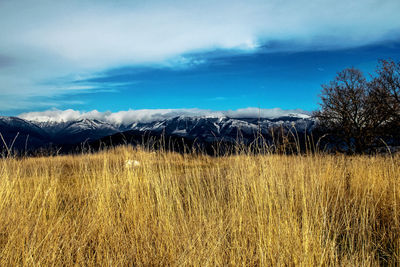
x,y
150,115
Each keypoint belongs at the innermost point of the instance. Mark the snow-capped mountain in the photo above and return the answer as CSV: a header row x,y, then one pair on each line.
x,y
73,132
222,128
201,128
19,133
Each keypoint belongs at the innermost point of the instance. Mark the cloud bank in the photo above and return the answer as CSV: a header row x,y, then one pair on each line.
x,y
149,115
103,33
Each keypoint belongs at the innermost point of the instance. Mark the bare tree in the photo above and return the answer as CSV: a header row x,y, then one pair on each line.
x,y
345,111
385,94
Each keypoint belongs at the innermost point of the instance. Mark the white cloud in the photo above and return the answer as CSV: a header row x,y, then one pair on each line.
x,y
263,113
98,34
149,115
43,40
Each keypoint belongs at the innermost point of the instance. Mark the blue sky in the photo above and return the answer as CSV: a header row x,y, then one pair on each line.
x,y
215,55
287,80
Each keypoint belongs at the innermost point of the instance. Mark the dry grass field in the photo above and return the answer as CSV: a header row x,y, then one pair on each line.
x,y
187,210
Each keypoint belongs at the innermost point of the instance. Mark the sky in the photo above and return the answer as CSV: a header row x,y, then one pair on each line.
x,y
112,56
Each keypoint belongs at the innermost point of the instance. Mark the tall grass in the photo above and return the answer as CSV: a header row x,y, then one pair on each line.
x,y
198,210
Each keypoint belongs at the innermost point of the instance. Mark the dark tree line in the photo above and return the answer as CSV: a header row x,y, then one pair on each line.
x,y
359,114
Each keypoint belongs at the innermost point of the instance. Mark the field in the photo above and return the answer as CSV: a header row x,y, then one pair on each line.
x,y
173,209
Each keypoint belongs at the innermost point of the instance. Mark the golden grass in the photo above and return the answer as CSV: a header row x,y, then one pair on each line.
x,y
199,210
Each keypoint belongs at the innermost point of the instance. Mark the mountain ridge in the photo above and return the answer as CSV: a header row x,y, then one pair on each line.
x,y
202,128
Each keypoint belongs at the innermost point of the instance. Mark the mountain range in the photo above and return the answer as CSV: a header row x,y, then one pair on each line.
x,y
23,134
